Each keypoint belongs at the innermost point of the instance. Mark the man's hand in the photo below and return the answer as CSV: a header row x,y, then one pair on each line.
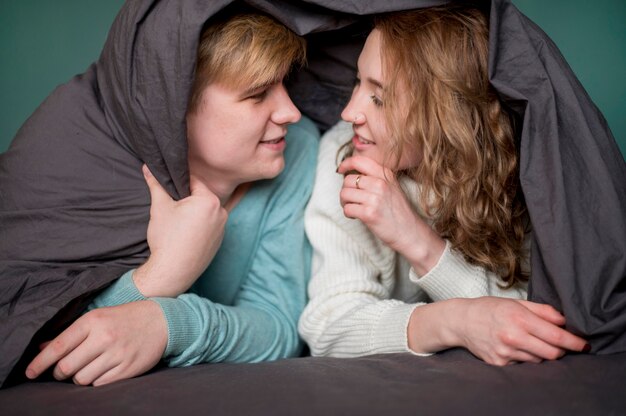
x,y
183,237
106,345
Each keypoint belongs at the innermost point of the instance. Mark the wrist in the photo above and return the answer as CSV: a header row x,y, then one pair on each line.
x,y
425,251
436,326
144,278
455,318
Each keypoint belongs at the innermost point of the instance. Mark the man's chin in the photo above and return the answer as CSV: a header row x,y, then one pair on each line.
x,y
271,170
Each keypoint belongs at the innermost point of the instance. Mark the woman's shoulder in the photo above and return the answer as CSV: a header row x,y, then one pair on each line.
x,y
334,138
327,180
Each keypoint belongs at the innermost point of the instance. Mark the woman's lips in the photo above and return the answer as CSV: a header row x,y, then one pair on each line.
x,y
360,143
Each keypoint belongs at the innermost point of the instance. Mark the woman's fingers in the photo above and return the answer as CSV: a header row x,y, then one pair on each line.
x,y
512,356
524,357
536,347
365,166
552,334
544,311
362,203
365,183
360,189
502,330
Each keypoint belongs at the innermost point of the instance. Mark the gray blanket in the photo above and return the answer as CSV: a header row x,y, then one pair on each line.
x,y
74,207
450,383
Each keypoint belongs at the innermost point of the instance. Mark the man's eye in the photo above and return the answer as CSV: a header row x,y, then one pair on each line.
x,y
260,96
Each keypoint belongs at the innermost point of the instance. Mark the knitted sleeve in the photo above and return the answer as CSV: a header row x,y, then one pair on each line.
x,y
453,277
350,312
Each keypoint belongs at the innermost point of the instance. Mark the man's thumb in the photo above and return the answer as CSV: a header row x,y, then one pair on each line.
x,y
157,193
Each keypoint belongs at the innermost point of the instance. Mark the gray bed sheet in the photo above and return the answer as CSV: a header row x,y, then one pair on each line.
x,y
450,383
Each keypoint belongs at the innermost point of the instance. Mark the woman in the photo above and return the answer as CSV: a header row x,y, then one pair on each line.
x,y
248,230
429,206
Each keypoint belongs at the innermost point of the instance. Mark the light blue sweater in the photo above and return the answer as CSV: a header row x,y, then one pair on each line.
x,y
245,306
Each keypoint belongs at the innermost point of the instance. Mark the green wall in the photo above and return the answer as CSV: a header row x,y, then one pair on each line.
x,y
592,37
45,43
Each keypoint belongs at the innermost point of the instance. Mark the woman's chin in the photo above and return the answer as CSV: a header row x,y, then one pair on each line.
x,y
370,152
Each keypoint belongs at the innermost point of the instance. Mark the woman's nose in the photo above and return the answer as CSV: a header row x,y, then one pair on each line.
x,y
352,113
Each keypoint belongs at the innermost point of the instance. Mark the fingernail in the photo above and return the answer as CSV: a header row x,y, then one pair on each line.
x,y
586,348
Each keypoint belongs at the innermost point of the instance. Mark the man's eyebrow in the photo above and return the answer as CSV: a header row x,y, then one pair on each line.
x,y
256,87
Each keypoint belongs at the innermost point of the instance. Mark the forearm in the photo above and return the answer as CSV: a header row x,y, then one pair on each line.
x,y
122,291
420,245
454,277
203,331
352,324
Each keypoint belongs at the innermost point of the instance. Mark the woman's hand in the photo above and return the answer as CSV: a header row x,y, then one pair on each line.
x,y
497,330
106,345
378,201
183,237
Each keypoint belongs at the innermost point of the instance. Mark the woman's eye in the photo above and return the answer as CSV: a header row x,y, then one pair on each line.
x,y
377,101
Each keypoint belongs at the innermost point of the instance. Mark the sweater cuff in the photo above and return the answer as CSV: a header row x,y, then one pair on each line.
x,y
391,333
183,327
122,291
452,277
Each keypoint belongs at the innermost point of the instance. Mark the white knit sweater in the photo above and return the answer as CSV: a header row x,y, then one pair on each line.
x,y
361,292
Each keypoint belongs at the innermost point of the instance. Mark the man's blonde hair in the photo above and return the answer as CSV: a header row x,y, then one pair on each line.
x,y
246,50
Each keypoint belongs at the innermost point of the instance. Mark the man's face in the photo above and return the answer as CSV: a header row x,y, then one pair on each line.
x,y
240,133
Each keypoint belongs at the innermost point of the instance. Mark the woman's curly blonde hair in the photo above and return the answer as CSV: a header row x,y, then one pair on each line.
x,y
437,59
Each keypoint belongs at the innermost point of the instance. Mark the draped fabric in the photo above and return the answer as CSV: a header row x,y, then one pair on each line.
x,y
74,207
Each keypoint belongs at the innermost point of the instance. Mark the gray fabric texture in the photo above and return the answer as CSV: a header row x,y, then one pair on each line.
x,y
451,383
74,206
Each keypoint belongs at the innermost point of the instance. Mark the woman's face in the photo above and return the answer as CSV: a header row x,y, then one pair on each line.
x,y
365,109
240,133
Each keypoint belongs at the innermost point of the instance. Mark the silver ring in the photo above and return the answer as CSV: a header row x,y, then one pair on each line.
x,y
358,179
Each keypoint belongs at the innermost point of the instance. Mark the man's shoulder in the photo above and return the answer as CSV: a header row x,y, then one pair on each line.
x,y
303,140
303,135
